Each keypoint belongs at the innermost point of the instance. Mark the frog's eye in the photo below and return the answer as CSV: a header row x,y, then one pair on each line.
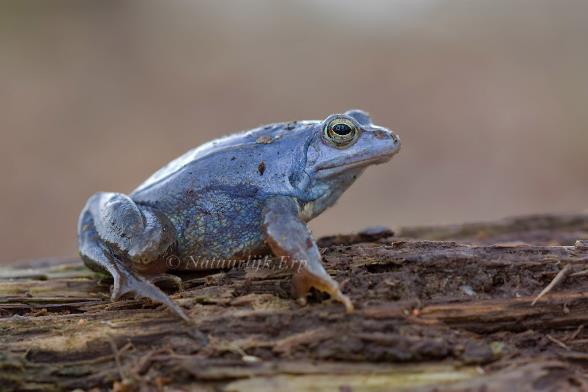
x,y
341,132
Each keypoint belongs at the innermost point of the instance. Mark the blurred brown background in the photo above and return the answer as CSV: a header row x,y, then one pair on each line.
x,y
489,98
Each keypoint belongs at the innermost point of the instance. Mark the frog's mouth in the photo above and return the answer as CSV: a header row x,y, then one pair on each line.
x,y
332,168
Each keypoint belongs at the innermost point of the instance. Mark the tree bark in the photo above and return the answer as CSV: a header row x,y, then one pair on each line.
x,y
437,308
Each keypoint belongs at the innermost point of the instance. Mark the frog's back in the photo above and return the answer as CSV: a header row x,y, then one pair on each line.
x,y
202,163
208,150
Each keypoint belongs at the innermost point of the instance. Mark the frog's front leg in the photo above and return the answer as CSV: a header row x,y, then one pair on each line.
x,y
113,229
288,236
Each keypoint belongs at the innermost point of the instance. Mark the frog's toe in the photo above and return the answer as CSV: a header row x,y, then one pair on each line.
x,y
339,296
130,284
302,301
303,281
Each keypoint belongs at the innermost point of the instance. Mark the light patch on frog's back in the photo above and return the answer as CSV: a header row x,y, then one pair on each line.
x,y
252,136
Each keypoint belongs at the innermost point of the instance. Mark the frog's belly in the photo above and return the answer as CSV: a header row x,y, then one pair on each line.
x,y
219,226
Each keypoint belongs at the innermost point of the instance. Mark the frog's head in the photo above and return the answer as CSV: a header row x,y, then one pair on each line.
x,y
343,145
346,142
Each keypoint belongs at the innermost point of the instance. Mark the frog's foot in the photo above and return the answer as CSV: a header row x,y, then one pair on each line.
x,y
125,282
304,280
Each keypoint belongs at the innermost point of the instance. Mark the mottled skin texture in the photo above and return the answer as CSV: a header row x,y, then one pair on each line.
x,y
243,195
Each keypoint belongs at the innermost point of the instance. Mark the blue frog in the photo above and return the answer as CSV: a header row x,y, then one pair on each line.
x,y
234,198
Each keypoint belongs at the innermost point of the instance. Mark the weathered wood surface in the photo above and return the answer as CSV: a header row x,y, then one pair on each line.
x,y
453,314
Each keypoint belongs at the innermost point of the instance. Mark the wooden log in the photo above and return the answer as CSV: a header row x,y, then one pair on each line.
x,y
446,308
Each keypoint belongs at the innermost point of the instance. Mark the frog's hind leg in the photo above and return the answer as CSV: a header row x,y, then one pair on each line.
x,y
98,258
141,234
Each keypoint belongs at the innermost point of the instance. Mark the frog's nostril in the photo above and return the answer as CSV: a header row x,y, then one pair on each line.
x,y
380,134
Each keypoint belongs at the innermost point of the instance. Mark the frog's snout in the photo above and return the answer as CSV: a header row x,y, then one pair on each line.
x,y
388,141
397,142
396,139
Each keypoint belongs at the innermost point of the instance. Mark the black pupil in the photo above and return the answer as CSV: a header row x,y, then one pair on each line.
x,y
342,129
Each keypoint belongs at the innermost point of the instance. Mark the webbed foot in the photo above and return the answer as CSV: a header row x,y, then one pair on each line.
x,y
304,280
128,283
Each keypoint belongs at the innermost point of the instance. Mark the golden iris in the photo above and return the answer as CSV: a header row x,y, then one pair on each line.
x,y
341,131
